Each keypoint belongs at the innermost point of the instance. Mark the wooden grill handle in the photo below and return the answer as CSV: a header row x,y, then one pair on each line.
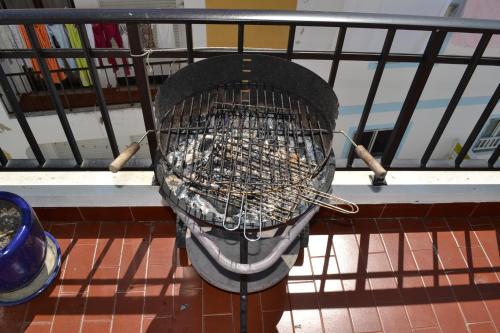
x,y
124,157
372,163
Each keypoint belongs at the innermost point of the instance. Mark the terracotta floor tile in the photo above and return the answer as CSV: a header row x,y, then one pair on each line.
x,y
96,326
102,293
347,252
137,232
275,298
427,330
319,246
218,324
187,310
303,295
364,225
321,266
68,316
215,301
159,291
43,307
32,328
58,214
109,244
304,270
277,322
319,227
162,250
388,224
336,320
133,267
405,210
188,278
11,318
421,315
160,325
106,214
128,312
482,328
489,240
365,319
375,244
307,320
450,318
162,213
493,306
451,209
86,233
435,223
254,312
394,319
77,273
419,240
435,281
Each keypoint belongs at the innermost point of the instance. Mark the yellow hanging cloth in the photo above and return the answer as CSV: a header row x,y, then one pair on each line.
x,y
76,43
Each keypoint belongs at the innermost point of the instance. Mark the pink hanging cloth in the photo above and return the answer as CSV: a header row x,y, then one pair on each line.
x,y
104,33
478,9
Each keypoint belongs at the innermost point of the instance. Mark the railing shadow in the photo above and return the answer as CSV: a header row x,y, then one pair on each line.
x,y
169,298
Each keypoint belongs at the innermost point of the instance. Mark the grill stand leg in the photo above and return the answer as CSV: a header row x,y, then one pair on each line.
x,y
243,285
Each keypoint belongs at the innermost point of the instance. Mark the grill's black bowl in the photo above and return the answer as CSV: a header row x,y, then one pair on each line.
x,y
275,72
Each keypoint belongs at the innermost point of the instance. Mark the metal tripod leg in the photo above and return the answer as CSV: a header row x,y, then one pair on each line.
x,y
243,285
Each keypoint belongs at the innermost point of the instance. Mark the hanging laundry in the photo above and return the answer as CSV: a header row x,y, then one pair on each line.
x,y
44,41
104,34
58,34
478,9
11,39
164,35
76,43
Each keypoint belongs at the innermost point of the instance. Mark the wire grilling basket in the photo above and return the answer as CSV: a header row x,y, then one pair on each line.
x,y
245,143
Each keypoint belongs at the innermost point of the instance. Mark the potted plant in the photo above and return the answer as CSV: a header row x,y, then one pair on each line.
x,y
30,258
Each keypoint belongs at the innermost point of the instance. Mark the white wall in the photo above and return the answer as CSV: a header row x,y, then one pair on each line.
x,y
351,86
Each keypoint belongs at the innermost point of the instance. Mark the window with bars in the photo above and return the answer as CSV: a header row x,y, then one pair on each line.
x,y
375,141
490,138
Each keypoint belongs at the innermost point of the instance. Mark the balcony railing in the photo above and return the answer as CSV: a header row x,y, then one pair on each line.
x,y
437,27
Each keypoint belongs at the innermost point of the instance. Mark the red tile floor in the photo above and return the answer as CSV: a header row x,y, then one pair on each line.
x,y
363,275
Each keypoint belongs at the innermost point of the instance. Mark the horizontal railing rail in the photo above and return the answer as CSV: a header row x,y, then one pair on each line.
x,y
438,27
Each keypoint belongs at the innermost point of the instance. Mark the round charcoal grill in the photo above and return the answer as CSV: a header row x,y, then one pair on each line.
x,y
244,156
245,159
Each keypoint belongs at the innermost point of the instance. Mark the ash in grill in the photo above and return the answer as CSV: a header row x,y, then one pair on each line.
x,y
243,156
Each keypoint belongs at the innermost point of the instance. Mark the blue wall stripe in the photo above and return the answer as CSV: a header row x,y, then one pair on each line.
x,y
425,104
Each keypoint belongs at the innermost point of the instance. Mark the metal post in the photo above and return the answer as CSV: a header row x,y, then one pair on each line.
x,y
416,88
3,158
291,40
243,285
21,118
189,42
373,91
494,157
338,53
455,99
142,82
54,95
241,36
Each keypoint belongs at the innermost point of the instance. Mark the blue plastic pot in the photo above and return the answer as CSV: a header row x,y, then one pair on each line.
x,y
32,259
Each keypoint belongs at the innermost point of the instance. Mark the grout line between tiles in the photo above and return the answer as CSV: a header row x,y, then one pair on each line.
x,y
92,272
62,278
146,274
118,278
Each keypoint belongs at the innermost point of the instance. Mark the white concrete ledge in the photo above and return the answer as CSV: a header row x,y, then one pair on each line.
x,y
133,188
